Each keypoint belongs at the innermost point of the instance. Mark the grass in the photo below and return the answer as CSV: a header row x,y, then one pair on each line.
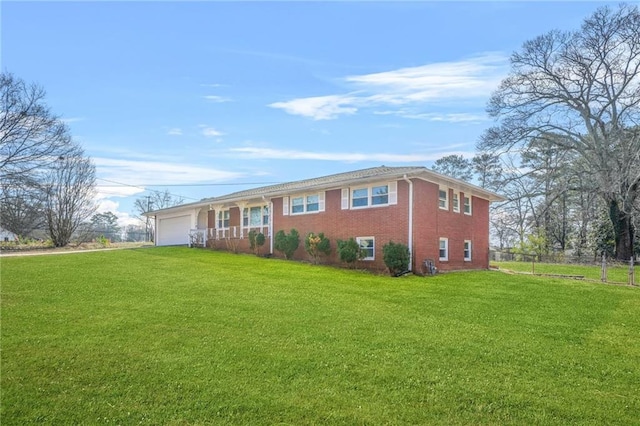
x,y
182,336
615,273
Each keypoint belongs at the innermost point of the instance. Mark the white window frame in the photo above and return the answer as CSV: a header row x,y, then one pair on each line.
x,y
443,203
360,240
391,195
263,209
455,201
467,250
305,203
446,249
220,219
465,205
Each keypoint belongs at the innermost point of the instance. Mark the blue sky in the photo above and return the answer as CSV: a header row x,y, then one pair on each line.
x,y
207,98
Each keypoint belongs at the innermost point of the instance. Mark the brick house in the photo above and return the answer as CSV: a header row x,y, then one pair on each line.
x,y
439,218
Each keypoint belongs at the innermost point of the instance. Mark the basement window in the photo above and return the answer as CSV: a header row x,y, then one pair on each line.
x,y
367,245
444,249
467,251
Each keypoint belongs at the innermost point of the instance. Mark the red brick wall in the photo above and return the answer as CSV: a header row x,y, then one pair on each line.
x,y
385,223
432,223
389,223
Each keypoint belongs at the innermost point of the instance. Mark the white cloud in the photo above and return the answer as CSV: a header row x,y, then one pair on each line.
x,y
109,190
124,218
71,120
462,117
217,99
320,107
175,131
473,78
139,172
346,157
210,132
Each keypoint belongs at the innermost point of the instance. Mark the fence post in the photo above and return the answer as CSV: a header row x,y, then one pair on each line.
x,y
632,274
603,273
533,265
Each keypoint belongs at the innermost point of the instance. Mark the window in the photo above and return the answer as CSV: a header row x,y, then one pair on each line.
x,y
255,216
223,219
360,197
380,195
467,251
312,203
443,201
308,203
467,205
444,249
367,245
456,202
370,196
297,205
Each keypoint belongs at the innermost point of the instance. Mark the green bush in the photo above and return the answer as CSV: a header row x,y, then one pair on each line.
x,y
317,245
396,257
252,240
256,240
260,240
349,251
103,241
286,243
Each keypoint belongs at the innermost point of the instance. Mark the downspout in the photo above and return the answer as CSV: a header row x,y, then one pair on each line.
x,y
410,239
270,224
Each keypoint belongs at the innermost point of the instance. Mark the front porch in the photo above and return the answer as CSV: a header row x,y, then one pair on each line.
x,y
208,237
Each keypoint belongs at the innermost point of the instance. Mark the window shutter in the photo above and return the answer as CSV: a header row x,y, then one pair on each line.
x,y
285,206
345,198
393,192
321,201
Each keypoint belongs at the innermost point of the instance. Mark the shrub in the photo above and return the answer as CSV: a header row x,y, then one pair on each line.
x,y
286,243
102,240
256,240
317,245
260,240
396,257
252,240
349,251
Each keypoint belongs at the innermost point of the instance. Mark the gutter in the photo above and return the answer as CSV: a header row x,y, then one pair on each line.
x,y
410,237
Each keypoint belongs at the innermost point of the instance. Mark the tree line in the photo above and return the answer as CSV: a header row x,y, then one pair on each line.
x,y
565,147
48,183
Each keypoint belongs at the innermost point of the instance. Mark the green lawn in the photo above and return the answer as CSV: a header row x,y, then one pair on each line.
x,y
183,336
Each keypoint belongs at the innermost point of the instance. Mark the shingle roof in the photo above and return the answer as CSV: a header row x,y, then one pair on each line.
x,y
329,182
321,182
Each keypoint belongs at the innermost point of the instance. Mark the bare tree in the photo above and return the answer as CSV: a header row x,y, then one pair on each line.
x,y
581,91
31,140
21,206
70,194
30,135
156,200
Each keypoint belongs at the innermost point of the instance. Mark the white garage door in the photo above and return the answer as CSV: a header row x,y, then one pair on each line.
x,y
174,231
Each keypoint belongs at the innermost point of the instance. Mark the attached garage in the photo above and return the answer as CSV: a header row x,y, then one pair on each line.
x,y
173,231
